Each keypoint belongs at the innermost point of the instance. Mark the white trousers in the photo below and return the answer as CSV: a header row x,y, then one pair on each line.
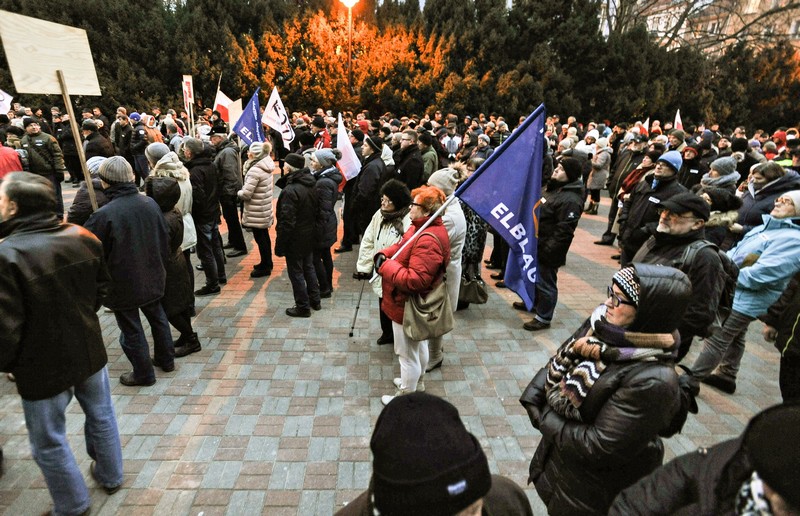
x,y
413,358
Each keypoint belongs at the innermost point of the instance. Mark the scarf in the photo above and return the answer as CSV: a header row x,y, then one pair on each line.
x,y
750,500
728,181
578,364
395,218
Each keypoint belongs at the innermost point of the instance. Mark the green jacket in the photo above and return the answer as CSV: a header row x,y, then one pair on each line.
x,y
46,158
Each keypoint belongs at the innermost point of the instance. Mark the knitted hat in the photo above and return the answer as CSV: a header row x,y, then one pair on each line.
x,y
754,144
28,121
739,145
194,145
693,147
375,143
592,134
318,122
397,192
116,170
295,160
219,130
438,468
722,199
89,125
653,155
679,134
628,282
724,165
445,179
566,143
426,139
326,157
794,195
256,149
155,151
602,143
673,159
358,134
687,202
573,168
771,443
484,138
396,123
135,116
93,163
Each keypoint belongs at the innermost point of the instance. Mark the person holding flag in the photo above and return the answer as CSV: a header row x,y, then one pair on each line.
x,y
561,208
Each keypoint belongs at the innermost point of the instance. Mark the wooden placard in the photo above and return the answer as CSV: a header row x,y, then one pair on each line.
x,y
35,49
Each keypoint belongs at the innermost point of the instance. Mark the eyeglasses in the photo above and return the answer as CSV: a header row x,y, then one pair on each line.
x,y
784,200
406,140
616,300
385,200
415,204
674,216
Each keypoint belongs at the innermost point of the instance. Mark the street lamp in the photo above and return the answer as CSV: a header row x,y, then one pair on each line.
x,y
349,4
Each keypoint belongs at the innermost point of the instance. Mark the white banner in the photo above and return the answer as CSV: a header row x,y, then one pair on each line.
x,y
276,117
5,103
349,164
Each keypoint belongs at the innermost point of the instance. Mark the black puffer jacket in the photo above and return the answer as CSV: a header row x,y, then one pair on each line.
x,y
296,214
705,482
784,316
327,191
642,209
705,272
558,218
98,145
367,198
580,466
50,336
205,189
409,166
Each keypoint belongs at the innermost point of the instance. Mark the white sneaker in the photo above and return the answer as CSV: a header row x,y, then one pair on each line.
x,y
386,398
420,384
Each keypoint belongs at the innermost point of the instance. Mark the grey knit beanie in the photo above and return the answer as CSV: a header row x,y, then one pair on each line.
x,y
116,170
155,151
725,165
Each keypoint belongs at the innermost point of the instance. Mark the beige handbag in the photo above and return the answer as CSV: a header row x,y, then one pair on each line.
x,y
431,316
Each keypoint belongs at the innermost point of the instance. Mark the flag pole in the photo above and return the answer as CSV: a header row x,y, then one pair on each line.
x,y
418,232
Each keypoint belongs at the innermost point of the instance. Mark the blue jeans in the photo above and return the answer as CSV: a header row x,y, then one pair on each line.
x,y
209,252
134,343
546,293
46,423
724,348
303,278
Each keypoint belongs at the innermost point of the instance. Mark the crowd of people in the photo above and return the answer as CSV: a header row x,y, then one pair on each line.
x,y
706,225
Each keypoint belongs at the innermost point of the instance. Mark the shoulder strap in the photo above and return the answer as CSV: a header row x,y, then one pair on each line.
x,y
444,265
691,251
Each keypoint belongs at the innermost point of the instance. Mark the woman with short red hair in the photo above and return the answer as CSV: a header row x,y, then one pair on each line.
x,y
416,270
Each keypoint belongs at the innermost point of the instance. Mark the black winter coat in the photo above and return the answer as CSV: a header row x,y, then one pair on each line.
x,y
705,482
81,208
205,189
98,145
54,279
139,141
123,139
296,215
558,218
367,198
642,209
784,316
692,172
136,246
580,466
326,190
409,166
705,272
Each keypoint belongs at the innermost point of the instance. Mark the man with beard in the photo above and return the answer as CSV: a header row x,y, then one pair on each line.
x,y
560,212
681,222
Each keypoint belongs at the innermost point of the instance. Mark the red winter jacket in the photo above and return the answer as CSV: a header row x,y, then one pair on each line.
x,y
418,268
9,161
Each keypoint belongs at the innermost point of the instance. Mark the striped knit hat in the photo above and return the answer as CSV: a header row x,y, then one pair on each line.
x,y
627,282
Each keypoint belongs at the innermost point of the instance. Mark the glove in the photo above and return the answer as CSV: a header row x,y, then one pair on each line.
x,y
362,275
379,259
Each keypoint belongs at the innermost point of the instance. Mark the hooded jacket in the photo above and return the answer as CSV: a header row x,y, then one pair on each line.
x,y
326,189
367,197
776,245
580,466
756,203
256,193
170,166
229,167
297,215
205,189
558,219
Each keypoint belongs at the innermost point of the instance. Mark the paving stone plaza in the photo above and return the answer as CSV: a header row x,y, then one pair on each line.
x,y
275,414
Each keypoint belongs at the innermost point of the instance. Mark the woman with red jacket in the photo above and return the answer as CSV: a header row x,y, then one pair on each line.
x,y
416,270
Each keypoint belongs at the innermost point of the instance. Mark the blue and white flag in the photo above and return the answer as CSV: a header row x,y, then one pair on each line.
x,y
505,192
248,127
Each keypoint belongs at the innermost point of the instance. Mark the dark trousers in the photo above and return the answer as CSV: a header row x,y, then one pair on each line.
x,y
73,164
546,293
261,236
182,322
230,213
141,169
59,197
303,278
789,379
134,343
209,251
323,265
609,235
499,254
386,323
349,217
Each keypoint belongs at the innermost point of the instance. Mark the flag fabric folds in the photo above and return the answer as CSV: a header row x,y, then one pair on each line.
x,y
505,192
221,103
276,117
5,103
349,164
678,122
248,127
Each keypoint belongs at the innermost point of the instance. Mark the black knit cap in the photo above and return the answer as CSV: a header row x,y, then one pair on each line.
x,y
295,160
397,192
424,460
572,167
771,442
374,142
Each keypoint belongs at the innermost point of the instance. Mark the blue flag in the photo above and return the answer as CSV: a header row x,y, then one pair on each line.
x,y
248,127
505,192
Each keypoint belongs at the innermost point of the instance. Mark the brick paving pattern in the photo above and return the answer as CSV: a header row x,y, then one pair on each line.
x,y
274,415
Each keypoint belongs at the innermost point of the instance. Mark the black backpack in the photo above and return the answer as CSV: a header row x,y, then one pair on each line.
x,y
731,275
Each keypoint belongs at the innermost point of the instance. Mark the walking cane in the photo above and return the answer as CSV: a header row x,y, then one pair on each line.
x,y
358,305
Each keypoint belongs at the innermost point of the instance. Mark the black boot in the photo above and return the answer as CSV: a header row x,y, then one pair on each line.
x,y
192,346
